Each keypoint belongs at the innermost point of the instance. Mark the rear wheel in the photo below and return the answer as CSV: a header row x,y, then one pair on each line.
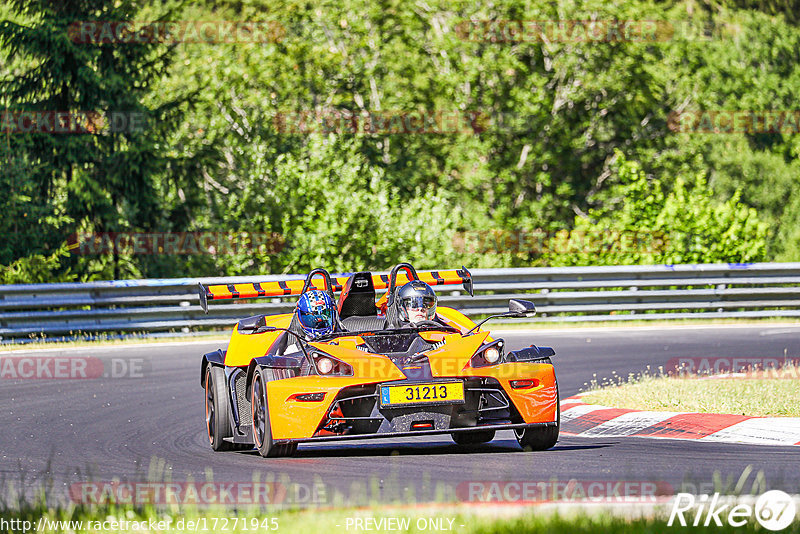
x,y
262,432
473,438
218,410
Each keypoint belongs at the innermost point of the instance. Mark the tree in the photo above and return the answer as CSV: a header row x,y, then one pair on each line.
x,y
104,175
639,222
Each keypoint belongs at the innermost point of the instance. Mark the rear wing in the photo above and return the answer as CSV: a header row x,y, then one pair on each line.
x,y
283,288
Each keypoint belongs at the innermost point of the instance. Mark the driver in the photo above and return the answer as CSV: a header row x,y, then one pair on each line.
x,y
416,302
316,313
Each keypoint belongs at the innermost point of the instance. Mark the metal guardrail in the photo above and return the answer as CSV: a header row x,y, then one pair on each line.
x,y
560,294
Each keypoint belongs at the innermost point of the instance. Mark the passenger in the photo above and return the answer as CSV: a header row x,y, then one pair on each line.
x,y
316,313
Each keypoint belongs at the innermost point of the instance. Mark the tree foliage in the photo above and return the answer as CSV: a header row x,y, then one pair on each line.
x,y
108,180
564,137
639,222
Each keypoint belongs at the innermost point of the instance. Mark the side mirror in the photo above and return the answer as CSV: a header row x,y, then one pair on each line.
x,y
521,308
516,308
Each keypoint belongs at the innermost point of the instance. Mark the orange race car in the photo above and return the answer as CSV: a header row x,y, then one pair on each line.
x,y
370,374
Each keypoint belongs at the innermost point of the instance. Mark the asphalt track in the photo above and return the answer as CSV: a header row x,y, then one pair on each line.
x,y
60,432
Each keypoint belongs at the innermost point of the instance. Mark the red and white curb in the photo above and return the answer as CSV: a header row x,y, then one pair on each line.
x,y
593,420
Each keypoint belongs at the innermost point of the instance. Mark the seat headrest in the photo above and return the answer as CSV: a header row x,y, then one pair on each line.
x,y
358,296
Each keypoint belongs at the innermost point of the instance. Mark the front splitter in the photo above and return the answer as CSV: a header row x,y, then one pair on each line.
x,y
389,435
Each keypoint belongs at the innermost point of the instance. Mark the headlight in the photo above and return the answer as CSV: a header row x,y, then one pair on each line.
x,y
324,365
491,355
328,365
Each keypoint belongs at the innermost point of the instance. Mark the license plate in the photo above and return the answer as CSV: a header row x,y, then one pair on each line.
x,y
439,393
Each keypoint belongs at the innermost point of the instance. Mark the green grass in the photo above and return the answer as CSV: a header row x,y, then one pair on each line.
x,y
740,396
461,520
42,499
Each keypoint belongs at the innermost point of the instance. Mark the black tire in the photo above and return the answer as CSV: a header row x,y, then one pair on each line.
x,y
262,432
473,438
218,410
543,437
284,449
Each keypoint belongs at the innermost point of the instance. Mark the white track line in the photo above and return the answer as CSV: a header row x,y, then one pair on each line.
x,y
628,424
578,411
761,430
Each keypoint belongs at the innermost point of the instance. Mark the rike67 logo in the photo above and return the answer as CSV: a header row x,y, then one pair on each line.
x,y
774,510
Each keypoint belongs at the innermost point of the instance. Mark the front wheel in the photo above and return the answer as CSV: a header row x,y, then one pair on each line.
x,y
473,438
218,410
540,438
537,439
262,432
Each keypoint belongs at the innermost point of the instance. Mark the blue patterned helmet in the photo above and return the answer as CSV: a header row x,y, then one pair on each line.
x,y
316,313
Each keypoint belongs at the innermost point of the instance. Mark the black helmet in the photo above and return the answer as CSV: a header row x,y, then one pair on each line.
x,y
416,295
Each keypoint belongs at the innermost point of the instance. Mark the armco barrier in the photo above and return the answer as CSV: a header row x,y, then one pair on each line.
x,y
560,294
